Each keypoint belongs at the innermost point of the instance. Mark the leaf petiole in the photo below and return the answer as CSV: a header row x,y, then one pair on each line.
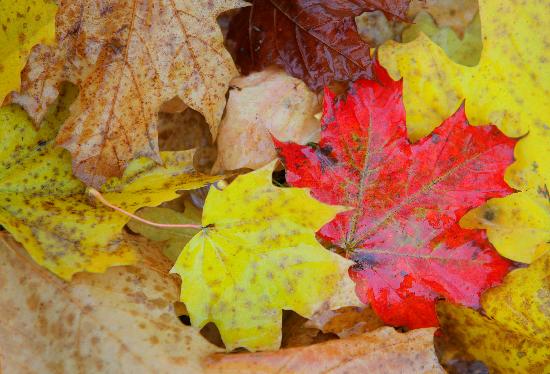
x,y
96,194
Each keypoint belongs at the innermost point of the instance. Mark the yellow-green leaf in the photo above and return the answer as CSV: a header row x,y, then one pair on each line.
x,y
465,51
256,256
174,238
518,225
47,209
24,23
514,334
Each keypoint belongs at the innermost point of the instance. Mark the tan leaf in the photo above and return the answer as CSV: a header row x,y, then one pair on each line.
x,y
121,321
347,321
262,103
381,351
128,58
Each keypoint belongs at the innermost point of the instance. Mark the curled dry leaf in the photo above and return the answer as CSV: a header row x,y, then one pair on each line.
x,y
513,335
380,351
403,233
128,58
25,23
121,321
316,41
347,321
269,102
47,210
256,255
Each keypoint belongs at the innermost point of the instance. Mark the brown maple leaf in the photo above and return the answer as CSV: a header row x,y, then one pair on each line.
x,y
128,57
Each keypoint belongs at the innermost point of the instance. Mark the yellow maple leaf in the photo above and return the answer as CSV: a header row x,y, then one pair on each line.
x,y
514,334
508,88
257,255
128,58
518,225
48,210
25,23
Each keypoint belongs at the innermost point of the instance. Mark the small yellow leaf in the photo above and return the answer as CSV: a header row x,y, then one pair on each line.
x,y
465,51
25,23
175,238
518,225
257,255
47,209
514,334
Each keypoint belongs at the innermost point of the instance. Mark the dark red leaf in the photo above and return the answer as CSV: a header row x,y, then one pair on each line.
x,y
314,40
403,233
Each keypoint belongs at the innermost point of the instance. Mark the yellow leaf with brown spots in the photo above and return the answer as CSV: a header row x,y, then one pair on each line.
x,y
257,255
517,225
47,209
24,23
513,335
128,57
121,321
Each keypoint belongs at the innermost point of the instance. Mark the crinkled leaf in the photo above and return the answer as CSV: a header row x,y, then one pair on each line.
x,y
381,351
128,57
513,335
174,238
25,23
403,232
518,225
465,50
316,41
257,255
48,211
122,321
260,105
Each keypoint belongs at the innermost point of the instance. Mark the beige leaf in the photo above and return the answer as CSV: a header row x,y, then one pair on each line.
x,y
262,103
347,321
121,321
128,57
381,351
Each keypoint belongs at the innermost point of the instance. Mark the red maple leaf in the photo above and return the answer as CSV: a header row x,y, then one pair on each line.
x,y
316,41
403,233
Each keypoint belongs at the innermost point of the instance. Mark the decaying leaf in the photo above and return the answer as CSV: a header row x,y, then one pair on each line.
x,y
122,321
316,41
518,225
128,58
47,209
174,238
513,335
25,23
465,50
381,351
256,255
404,233
260,105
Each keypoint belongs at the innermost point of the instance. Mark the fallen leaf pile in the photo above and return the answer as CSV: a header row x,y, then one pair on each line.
x,y
274,186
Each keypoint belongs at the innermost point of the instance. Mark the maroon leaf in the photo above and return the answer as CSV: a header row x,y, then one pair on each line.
x,y
314,40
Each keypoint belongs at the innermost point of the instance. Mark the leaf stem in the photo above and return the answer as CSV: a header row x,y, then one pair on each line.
x,y
96,194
